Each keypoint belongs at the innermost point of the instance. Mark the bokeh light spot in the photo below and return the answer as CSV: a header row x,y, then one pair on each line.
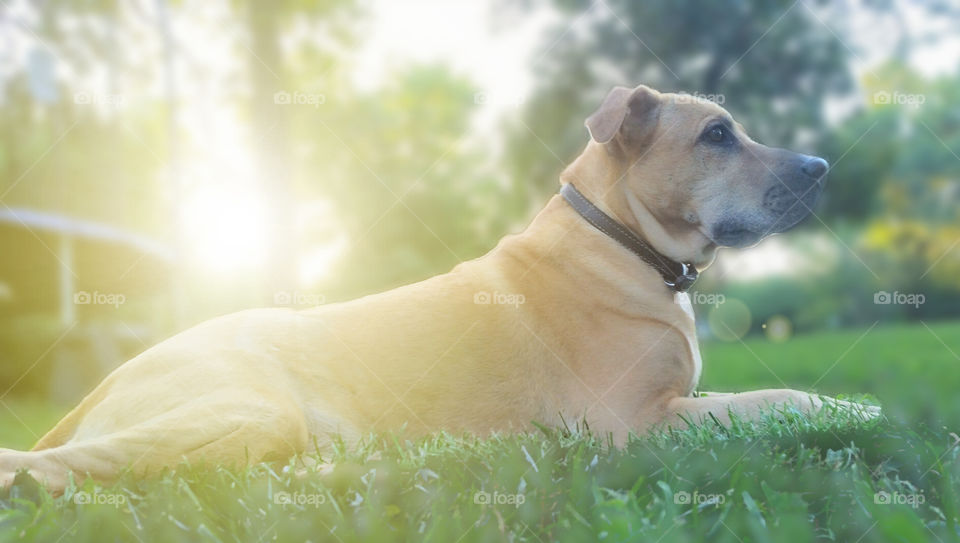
x,y
730,320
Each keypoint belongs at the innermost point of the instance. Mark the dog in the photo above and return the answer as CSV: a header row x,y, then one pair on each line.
x,y
582,316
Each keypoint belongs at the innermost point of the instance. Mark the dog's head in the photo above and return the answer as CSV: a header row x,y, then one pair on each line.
x,y
685,164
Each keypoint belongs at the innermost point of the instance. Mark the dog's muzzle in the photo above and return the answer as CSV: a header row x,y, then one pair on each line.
x,y
792,197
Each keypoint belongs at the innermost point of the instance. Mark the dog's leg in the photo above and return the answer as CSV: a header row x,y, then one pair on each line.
x,y
751,405
241,436
6,473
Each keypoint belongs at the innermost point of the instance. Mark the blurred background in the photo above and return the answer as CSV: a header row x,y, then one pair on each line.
x,y
163,162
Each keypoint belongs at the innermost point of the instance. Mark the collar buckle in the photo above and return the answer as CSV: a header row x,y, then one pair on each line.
x,y
687,277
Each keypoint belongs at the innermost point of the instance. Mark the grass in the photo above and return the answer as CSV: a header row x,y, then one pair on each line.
x,y
23,421
789,478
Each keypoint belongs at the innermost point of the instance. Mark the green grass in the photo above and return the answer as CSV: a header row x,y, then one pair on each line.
x,y
24,421
790,478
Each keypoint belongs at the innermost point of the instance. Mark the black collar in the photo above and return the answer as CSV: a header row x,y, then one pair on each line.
x,y
677,275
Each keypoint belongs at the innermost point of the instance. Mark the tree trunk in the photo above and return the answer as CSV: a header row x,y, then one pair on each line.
x,y
271,153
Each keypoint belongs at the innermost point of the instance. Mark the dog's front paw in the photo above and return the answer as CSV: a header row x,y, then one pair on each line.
x,y
864,411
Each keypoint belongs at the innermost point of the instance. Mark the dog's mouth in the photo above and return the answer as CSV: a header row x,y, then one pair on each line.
x,y
733,233
784,205
790,205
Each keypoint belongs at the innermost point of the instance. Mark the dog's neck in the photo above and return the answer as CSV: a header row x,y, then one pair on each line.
x,y
561,249
598,174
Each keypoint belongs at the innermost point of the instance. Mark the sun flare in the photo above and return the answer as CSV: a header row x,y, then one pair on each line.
x,y
225,229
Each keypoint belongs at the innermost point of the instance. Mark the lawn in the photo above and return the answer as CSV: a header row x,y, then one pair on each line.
x,y
790,478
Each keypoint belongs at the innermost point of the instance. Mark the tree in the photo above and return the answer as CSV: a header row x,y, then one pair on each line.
x,y
411,195
267,71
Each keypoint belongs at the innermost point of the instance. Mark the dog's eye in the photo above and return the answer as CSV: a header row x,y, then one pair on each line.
x,y
717,134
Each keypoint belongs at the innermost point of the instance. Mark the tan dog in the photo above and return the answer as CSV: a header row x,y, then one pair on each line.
x,y
557,321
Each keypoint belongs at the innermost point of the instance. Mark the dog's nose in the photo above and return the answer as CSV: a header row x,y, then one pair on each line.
x,y
815,167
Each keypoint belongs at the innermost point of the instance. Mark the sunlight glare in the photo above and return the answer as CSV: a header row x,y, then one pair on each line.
x,y
225,229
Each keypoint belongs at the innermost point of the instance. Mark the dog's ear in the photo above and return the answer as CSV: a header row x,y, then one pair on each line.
x,y
632,113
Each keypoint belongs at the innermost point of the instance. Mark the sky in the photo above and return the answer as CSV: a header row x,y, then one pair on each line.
x,y
493,50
